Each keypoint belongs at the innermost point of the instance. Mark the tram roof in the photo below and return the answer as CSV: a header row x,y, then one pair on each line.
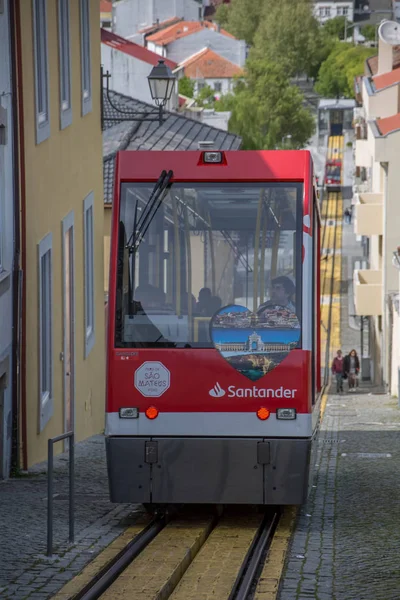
x,y
176,133
258,166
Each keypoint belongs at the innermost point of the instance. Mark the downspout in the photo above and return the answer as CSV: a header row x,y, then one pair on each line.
x,y
384,338
19,266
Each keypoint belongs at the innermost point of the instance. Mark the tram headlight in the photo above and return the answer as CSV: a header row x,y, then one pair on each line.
x,y
286,414
213,157
128,413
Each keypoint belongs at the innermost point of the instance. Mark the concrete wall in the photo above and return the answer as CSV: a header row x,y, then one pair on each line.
x,y
132,15
129,76
60,172
231,49
226,84
381,104
6,245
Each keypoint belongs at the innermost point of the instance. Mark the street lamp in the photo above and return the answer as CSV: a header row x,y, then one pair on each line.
x,y
161,83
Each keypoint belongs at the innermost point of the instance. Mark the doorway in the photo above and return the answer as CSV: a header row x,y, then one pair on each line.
x,y
68,323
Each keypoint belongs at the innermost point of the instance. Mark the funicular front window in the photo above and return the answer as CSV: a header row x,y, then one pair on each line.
x,y
206,246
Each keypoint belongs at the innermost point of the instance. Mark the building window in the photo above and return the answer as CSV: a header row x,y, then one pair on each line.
x,y
65,63
201,85
345,10
45,331
89,272
40,54
217,86
86,65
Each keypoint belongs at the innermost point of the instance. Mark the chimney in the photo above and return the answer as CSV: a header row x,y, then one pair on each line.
x,y
385,57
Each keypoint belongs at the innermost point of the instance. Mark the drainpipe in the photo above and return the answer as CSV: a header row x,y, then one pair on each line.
x,y
19,266
385,333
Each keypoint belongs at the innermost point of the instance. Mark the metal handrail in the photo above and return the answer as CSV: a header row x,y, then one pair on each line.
x,y
50,455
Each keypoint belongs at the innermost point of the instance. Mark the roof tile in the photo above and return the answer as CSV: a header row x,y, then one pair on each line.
x,y
207,64
388,124
182,29
176,133
386,79
119,43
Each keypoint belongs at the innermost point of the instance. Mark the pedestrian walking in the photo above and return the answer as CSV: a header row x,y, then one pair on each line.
x,y
337,370
351,369
347,216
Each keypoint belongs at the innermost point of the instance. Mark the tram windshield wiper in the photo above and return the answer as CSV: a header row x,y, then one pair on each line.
x,y
157,195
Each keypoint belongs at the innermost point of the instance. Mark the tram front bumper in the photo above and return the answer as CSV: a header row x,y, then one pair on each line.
x,y
208,470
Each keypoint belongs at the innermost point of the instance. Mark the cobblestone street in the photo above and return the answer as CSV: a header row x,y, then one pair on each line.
x,y
347,535
25,571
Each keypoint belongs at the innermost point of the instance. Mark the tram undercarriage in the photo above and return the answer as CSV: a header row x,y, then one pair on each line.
x,y
171,470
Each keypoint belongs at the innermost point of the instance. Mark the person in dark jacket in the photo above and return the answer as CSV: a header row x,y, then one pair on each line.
x,y
337,370
351,369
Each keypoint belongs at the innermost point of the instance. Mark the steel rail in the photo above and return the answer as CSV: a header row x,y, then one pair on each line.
x,y
106,576
247,575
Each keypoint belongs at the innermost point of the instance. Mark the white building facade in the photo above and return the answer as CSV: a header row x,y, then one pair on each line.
x,y
131,16
323,11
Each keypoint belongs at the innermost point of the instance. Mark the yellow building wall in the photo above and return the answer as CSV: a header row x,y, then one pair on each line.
x,y
60,173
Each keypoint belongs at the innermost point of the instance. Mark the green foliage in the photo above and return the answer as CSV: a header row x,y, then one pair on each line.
x,y
267,108
368,31
186,87
222,15
337,72
241,17
335,27
290,35
205,97
225,103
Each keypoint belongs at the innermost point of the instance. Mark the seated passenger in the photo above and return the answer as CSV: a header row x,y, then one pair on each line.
x,y
282,290
202,307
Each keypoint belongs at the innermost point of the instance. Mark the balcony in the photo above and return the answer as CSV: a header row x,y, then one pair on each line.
x,y
368,292
369,215
363,153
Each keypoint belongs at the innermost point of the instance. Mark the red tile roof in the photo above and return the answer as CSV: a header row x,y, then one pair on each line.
x,y
182,29
207,64
388,124
157,26
105,6
386,79
139,52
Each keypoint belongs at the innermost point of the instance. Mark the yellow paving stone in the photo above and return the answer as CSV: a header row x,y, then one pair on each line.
x,y
268,583
213,573
86,575
156,571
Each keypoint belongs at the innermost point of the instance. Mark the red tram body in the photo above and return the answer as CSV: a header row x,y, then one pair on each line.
x,y
333,175
212,389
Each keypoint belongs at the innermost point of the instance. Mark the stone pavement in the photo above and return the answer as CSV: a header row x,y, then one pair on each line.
x,y
25,571
346,541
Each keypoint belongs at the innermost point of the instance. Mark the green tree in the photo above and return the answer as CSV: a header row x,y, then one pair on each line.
x,y
335,27
290,35
241,17
337,72
205,97
369,32
186,87
267,109
222,15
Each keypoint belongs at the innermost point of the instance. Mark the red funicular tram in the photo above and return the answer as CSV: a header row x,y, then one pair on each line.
x,y
213,338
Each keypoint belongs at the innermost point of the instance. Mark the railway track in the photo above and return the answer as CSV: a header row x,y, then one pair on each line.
x,y
331,213
220,558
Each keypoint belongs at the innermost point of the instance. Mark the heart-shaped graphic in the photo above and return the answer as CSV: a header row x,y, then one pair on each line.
x,y
254,344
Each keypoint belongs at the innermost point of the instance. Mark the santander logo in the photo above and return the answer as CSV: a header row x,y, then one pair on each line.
x,y
253,392
217,391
